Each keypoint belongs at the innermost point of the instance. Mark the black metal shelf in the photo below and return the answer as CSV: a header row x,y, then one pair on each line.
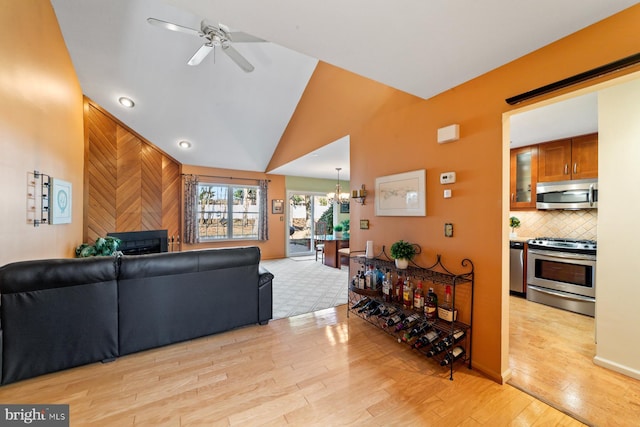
x,y
437,274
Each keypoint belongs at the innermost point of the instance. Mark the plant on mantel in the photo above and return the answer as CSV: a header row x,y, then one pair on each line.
x,y
103,246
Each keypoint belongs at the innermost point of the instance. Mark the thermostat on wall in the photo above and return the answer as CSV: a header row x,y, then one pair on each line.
x,y
447,178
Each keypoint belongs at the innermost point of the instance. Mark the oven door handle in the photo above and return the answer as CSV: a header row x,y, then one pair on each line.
x,y
561,294
563,255
591,195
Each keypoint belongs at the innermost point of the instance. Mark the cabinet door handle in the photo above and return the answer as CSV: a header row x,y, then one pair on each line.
x,y
513,197
575,168
566,169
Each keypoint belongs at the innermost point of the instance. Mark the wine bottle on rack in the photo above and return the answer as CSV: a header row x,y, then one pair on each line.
x,y
360,303
386,287
407,294
438,347
418,298
377,310
396,318
427,339
416,331
452,356
388,310
431,306
409,322
368,306
399,289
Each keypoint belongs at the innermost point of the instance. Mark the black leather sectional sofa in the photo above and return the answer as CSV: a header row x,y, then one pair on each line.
x,y
60,313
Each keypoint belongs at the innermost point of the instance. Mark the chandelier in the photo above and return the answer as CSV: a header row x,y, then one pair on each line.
x,y
338,196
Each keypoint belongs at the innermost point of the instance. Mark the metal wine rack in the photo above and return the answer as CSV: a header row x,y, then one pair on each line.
x,y
437,274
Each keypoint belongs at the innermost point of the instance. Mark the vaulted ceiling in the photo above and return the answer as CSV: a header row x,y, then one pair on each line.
x,y
235,119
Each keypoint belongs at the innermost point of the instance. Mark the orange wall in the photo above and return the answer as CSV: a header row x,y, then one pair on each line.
x,y
393,132
40,128
275,246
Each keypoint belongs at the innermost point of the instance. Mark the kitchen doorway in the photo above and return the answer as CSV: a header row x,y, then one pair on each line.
x,y
304,210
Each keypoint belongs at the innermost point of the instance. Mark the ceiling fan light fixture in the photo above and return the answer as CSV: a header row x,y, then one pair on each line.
x,y
184,144
126,102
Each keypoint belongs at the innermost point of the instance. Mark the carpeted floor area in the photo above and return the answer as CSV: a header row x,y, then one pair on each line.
x,y
302,285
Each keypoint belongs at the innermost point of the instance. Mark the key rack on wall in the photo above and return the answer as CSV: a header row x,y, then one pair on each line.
x,y
38,191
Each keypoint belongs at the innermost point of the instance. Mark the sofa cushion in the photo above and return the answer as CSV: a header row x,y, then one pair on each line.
x,y
57,314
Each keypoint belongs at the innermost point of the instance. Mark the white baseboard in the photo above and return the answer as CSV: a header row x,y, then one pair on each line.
x,y
625,370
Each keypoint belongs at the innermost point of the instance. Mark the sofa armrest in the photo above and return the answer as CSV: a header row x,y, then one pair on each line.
x,y
265,295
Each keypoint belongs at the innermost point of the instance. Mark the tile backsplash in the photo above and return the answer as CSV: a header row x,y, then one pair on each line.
x,y
582,224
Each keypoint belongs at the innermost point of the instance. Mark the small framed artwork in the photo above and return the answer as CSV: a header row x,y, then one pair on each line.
x,y
402,194
364,224
277,206
344,207
60,201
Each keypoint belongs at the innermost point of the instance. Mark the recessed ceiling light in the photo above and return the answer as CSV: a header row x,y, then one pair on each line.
x,y
126,102
184,144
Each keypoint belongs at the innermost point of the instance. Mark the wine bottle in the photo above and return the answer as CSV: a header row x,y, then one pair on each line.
x,y
377,310
427,338
409,322
396,318
407,294
388,310
371,304
399,289
416,331
438,347
360,303
452,356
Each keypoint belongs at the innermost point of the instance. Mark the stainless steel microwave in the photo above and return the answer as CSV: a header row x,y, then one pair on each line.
x,y
572,195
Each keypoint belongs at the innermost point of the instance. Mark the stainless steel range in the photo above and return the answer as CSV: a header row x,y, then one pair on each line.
x,y
562,273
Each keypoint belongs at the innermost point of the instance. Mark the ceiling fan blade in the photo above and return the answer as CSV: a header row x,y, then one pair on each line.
x,y
240,37
200,54
173,27
237,58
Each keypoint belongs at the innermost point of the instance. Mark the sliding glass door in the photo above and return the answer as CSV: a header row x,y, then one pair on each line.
x,y
304,211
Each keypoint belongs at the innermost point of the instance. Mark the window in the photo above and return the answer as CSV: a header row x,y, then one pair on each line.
x,y
228,212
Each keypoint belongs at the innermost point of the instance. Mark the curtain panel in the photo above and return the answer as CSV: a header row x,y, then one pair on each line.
x,y
190,209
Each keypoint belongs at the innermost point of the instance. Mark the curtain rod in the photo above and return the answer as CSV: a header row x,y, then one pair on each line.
x,y
224,177
578,78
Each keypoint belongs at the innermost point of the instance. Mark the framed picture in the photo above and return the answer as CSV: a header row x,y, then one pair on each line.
x,y
344,207
364,224
59,201
402,194
277,206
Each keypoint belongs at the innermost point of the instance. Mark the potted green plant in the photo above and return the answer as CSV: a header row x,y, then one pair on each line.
x,y
337,231
345,228
103,246
403,252
514,223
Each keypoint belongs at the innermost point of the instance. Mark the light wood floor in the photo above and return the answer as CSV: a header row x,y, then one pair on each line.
x,y
551,356
315,369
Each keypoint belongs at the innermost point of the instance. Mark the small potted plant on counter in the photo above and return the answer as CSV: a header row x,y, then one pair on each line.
x,y
403,252
514,223
337,231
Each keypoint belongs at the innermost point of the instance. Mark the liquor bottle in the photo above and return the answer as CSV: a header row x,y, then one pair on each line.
x,y
396,318
394,291
431,306
407,294
399,289
379,277
370,278
386,287
452,356
360,303
409,322
418,298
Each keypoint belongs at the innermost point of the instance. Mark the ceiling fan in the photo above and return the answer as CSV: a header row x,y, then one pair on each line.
x,y
213,35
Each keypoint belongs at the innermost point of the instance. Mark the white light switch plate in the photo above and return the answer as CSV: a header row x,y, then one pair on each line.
x,y
447,194
447,178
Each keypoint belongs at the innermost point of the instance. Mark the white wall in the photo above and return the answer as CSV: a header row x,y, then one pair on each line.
x,y
617,282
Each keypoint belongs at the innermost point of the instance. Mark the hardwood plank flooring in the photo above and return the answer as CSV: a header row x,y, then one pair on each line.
x,y
319,368
551,357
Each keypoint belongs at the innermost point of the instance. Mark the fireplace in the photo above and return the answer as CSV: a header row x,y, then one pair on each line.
x,y
142,242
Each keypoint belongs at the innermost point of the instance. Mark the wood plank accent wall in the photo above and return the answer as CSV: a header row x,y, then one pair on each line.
x,y
130,184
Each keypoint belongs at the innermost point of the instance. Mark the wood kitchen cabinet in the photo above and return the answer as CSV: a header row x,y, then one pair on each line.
x,y
523,177
571,158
